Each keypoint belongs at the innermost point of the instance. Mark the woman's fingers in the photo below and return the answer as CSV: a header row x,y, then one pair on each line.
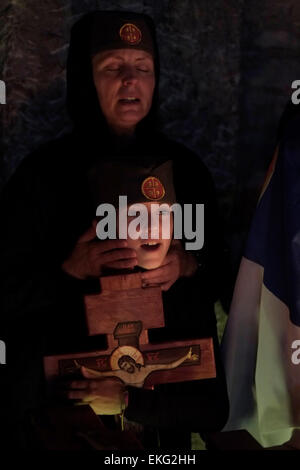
x,y
122,264
77,394
89,374
108,245
166,285
78,384
157,276
115,255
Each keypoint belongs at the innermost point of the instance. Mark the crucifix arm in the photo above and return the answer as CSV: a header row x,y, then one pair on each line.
x,y
97,374
173,364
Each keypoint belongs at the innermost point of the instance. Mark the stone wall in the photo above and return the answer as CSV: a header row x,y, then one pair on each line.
x,y
227,68
33,57
270,62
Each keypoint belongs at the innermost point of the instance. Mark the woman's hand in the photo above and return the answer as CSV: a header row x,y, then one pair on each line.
x,y
105,396
177,263
90,256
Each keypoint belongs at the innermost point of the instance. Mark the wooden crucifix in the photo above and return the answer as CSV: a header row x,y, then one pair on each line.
x,y
124,311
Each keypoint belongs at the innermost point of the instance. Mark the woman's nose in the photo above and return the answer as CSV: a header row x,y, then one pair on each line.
x,y
150,227
129,76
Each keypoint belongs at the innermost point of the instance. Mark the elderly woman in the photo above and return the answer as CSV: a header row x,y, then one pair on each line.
x,y
50,255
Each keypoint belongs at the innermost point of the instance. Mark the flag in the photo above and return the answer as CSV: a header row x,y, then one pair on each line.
x,y
261,343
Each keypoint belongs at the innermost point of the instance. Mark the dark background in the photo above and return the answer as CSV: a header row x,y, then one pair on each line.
x,y
227,68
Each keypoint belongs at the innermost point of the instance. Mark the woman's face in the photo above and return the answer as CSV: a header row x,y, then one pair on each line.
x,y
151,250
125,81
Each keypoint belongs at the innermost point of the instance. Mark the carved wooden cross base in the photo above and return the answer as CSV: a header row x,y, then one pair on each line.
x,y
124,311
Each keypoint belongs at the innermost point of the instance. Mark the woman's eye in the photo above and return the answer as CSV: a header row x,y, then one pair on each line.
x,y
112,68
143,69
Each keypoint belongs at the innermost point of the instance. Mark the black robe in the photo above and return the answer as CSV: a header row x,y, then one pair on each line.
x,y
45,207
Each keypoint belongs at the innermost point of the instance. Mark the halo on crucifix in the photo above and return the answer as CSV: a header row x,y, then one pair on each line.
x,y
122,354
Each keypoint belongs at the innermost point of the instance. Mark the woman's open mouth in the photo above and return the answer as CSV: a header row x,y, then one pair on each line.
x,y
130,100
150,246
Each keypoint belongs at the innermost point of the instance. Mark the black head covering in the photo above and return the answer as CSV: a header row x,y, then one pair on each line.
x,y
82,100
148,182
121,30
